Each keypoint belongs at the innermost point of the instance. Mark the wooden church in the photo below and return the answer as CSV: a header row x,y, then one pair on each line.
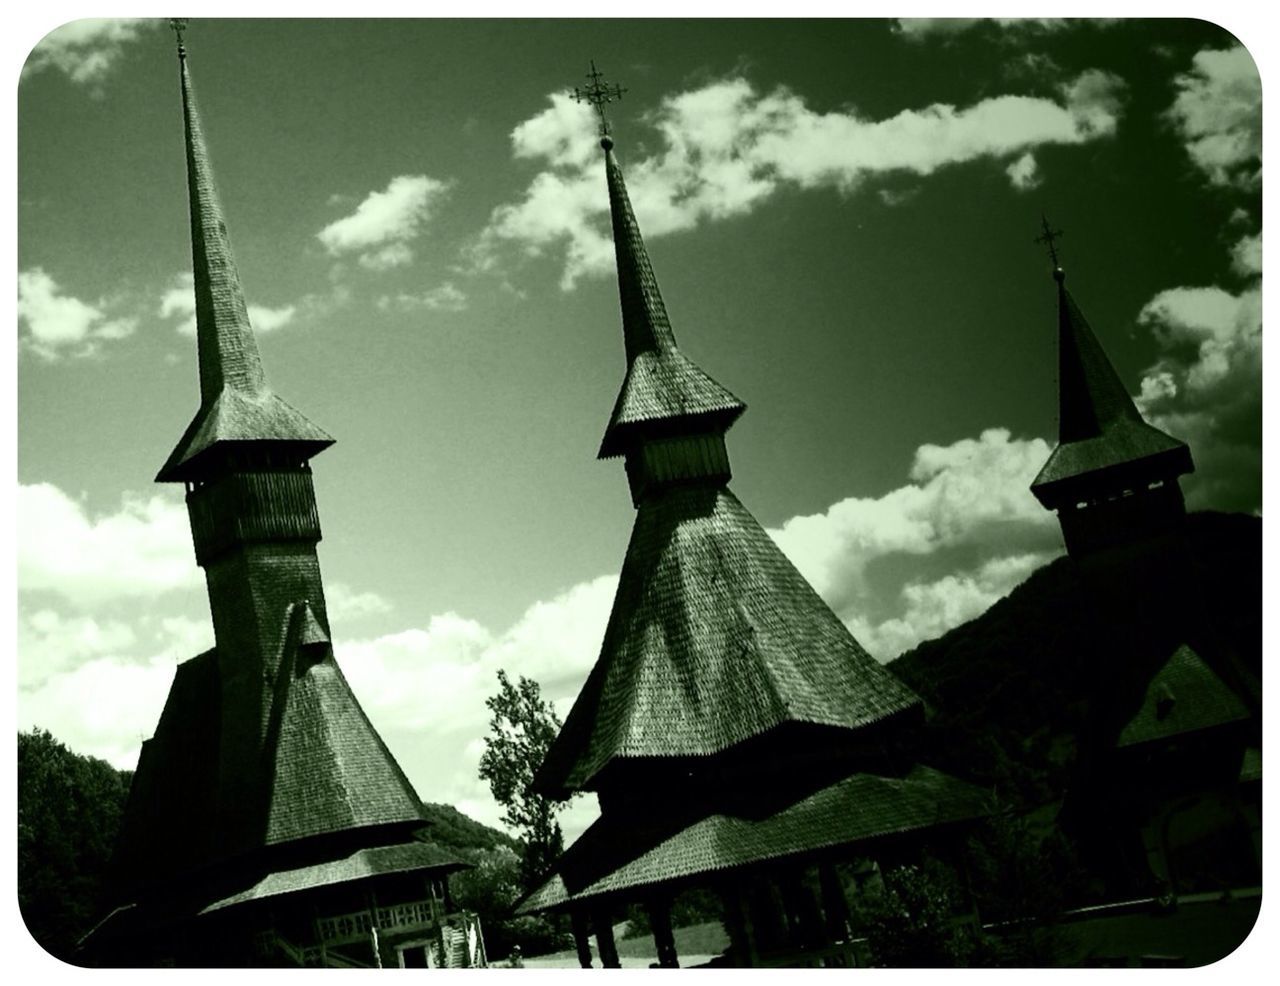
x,y
737,736
267,822
1167,792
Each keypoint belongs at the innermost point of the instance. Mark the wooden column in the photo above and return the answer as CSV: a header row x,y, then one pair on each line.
x,y
663,937
581,937
742,935
605,944
834,905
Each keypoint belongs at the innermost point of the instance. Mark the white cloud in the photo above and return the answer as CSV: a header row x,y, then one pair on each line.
x,y
725,148
1023,173
60,325
1206,386
445,298
920,28
1246,256
930,609
85,50
141,550
104,708
382,226
974,492
1218,113
49,642
179,299
343,603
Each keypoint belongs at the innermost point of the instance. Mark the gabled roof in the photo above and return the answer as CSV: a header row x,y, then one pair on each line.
x,y
235,401
714,638
662,384
1099,427
1183,696
617,854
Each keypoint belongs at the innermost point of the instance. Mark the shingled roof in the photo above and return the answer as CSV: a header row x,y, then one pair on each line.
x,y
714,638
1099,427
663,387
1183,696
236,404
324,769
618,854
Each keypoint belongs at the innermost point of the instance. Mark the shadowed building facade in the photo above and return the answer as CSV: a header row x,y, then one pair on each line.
x,y
736,735
267,822
1167,787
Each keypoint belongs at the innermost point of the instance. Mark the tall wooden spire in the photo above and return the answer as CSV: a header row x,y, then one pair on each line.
x,y
1112,476
236,405
718,654
664,391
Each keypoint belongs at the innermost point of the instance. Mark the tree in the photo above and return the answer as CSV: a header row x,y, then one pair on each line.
x,y
69,809
522,727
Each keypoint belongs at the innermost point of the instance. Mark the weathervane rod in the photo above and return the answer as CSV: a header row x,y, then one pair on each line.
x,y
598,93
179,24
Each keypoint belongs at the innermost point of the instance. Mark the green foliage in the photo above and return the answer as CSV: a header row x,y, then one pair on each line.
x,y
522,727
911,923
694,906
452,829
1024,873
69,810
491,890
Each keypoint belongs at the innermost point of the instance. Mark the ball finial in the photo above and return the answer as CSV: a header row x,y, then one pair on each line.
x,y
606,142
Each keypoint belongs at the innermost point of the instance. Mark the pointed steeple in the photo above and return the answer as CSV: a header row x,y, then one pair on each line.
x,y
717,648
236,405
664,392
1103,440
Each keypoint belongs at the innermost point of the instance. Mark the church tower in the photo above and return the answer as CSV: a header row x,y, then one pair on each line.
x,y
1112,478
244,461
720,664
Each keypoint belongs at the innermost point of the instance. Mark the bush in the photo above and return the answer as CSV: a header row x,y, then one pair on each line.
x,y
911,922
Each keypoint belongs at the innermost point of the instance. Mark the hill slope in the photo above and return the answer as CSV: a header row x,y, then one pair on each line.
x,y
1010,691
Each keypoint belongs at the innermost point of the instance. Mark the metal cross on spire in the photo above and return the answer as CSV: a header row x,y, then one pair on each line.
x,y
1049,238
179,24
598,93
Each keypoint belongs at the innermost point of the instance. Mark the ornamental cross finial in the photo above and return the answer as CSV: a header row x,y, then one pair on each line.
x,y
598,93
1049,238
179,24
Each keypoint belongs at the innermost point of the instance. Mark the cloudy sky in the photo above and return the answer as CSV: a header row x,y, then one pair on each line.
x,y
841,215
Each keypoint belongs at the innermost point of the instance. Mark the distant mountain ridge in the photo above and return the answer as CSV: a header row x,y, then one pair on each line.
x,y
1008,691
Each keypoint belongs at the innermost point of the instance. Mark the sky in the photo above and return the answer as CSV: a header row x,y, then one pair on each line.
x,y
841,215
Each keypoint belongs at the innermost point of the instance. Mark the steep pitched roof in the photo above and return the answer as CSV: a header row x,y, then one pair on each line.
x,y
662,385
714,638
235,401
331,770
1099,427
618,854
324,770
1183,696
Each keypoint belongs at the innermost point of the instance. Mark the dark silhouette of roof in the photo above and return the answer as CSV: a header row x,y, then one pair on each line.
x,y
236,405
1184,696
1099,427
663,387
324,768
619,853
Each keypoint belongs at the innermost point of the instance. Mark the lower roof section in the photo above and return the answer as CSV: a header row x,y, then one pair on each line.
x,y
619,855
359,865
